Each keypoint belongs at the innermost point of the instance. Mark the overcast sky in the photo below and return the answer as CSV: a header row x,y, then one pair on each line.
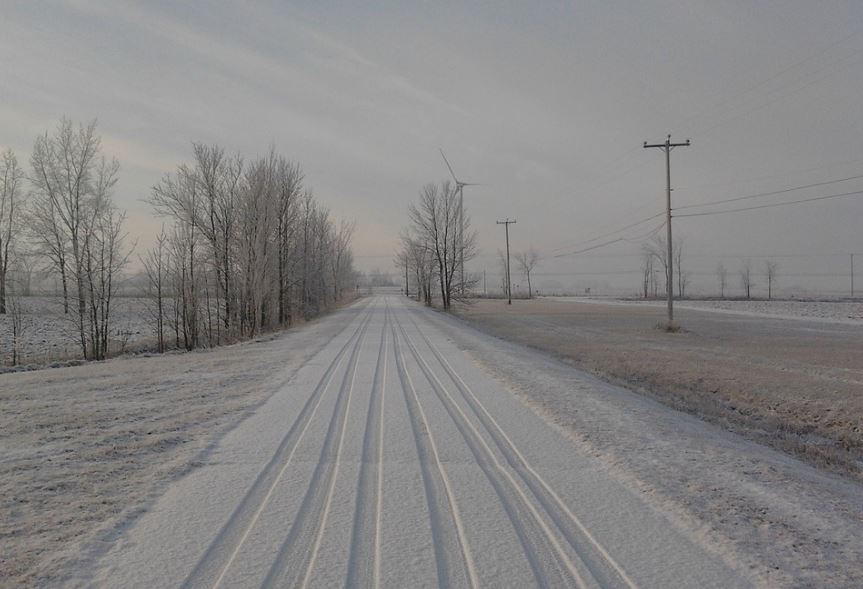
x,y
546,104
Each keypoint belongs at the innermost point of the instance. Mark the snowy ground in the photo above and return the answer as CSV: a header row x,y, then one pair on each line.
x,y
825,311
50,335
795,384
391,460
389,445
796,526
84,449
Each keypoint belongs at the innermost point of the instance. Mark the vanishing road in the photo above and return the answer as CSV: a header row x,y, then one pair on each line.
x,y
392,460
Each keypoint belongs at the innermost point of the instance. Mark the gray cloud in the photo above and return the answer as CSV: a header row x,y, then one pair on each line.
x,y
546,104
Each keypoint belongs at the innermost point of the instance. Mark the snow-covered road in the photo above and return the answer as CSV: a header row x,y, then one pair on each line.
x,y
391,460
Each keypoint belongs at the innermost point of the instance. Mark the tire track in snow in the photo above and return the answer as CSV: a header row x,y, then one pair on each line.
x,y
455,566
364,560
601,564
537,539
213,565
298,553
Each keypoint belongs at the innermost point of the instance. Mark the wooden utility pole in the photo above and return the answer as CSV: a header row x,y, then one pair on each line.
x,y
669,266
506,225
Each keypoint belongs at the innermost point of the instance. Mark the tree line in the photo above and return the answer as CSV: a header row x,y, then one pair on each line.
x,y
245,246
654,260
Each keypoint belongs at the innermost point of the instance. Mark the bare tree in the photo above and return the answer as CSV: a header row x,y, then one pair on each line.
x,y
682,275
421,262
10,217
177,197
341,257
646,271
156,267
20,324
722,276
105,256
746,277
45,230
435,221
248,245
527,261
24,266
656,248
770,270
77,226
505,283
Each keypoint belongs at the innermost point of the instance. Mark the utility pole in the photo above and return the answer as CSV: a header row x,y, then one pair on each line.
x,y
669,271
461,235
506,225
852,275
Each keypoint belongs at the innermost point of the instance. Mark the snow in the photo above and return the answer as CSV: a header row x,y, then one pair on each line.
x,y
51,336
458,482
393,446
787,522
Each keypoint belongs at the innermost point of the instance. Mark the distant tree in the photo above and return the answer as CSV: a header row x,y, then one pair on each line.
x,y
435,221
646,271
722,275
20,324
157,271
527,261
770,270
746,277
421,263
505,284
682,275
11,196
657,249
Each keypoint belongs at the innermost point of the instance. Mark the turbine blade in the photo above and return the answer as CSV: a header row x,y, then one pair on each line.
x,y
446,161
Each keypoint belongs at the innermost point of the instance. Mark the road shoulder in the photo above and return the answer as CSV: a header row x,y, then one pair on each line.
x,y
787,522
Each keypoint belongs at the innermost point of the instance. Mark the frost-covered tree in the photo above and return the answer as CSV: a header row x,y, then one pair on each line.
x,y
250,248
11,201
77,226
435,221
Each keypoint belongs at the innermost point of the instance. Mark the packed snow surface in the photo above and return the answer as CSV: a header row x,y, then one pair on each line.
x,y
392,459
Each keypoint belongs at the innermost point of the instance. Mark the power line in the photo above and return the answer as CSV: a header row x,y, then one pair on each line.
x,y
607,243
775,204
761,194
622,229
795,172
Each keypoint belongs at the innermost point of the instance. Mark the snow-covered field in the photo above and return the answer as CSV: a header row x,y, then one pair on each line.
x,y
50,335
827,311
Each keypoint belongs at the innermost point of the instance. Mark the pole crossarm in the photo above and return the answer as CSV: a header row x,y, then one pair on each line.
x,y
669,262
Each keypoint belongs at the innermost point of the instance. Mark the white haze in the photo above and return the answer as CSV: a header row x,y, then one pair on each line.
x,y
545,104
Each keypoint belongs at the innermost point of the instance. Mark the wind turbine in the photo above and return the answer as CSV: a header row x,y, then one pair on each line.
x,y
459,186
